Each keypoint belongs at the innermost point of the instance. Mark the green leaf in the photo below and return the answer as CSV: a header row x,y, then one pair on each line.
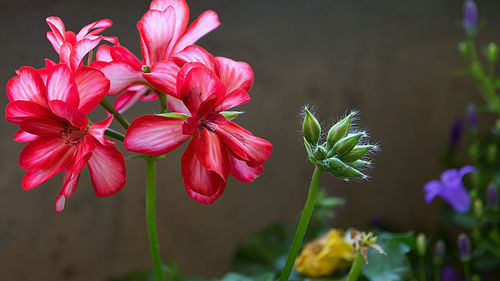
x,y
263,252
230,115
174,115
234,276
394,266
170,272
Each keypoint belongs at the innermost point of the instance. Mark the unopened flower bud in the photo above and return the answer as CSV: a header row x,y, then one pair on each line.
x,y
311,128
491,153
470,17
463,48
345,145
439,251
464,246
492,193
476,70
340,169
339,130
477,208
320,153
358,152
472,117
492,52
421,244
358,164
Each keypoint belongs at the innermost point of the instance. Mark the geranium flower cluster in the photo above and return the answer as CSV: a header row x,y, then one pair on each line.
x,y
51,105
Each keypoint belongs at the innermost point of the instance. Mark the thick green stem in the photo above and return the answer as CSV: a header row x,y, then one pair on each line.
x,y
163,101
421,268
111,109
437,273
302,226
114,134
467,271
355,270
151,218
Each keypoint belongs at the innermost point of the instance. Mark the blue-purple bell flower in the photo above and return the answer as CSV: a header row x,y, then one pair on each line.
x,y
451,189
470,17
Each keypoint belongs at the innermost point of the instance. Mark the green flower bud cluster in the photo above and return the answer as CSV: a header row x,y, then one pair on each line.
x,y
341,153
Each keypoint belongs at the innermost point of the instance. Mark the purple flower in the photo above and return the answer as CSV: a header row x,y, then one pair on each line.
x,y
456,132
451,189
470,17
472,117
448,273
492,196
464,246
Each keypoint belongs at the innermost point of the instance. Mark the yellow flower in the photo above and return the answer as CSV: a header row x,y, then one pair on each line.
x,y
324,255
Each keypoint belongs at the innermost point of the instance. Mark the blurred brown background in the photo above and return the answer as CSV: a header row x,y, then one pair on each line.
x,y
392,60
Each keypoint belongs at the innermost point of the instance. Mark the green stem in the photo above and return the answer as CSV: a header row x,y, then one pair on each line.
x,y
467,271
163,101
421,268
151,218
355,270
437,273
302,226
114,134
111,109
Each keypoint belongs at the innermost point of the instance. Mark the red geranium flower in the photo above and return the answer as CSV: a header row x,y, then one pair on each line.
x,y
52,117
219,147
73,47
163,31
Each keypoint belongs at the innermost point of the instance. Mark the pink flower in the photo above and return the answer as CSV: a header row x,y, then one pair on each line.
x,y
219,147
73,47
52,117
164,32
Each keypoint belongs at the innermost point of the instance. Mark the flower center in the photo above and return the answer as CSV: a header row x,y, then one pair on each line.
x,y
71,134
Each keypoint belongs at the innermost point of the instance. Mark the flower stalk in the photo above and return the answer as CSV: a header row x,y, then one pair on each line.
x,y
151,218
355,270
111,109
303,223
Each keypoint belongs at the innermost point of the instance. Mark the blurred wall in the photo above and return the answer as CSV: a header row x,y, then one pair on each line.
x,y
391,60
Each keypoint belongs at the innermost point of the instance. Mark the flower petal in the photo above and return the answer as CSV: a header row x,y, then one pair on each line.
x,y
206,22
121,75
154,135
120,53
27,86
243,144
81,49
194,53
130,97
18,111
212,153
200,85
202,185
94,28
163,77
92,88
22,136
181,10
241,171
234,74
104,53
64,110
56,37
107,170
156,29
432,189
98,129
61,86
44,127
177,105
44,153
233,99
